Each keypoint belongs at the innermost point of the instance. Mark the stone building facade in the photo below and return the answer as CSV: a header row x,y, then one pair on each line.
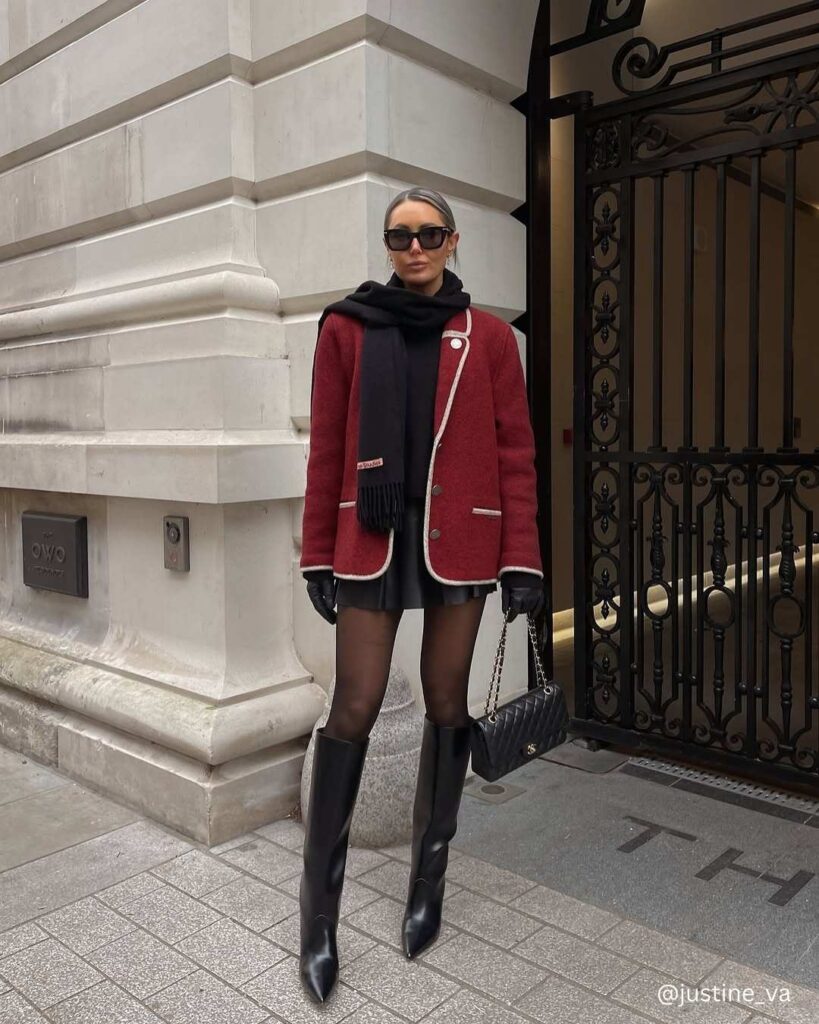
x,y
183,187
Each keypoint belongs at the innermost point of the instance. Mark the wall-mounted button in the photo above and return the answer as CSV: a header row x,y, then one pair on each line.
x,y
177,543
436,488
434,534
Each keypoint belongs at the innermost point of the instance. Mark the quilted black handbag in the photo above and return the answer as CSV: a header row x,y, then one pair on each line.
x,y
510,735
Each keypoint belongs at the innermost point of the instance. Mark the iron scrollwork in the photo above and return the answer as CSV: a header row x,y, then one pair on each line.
x,y
785,106
603,419
603,145
649,64
604,342
793,102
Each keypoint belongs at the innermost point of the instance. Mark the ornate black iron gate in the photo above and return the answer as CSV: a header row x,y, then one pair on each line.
x,y
694,512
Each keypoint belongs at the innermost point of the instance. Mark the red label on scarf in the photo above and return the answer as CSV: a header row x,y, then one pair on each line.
x,y
369,463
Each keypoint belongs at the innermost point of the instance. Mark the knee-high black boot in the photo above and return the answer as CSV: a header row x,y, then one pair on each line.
x,y
441,773
337,768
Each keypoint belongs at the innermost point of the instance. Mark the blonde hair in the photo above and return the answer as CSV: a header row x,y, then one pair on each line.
x,y
426,195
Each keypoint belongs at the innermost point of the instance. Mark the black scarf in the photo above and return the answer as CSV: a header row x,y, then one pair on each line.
x,y
385,309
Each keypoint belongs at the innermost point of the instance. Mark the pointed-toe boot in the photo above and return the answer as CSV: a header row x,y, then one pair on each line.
x,y
337,768
441,773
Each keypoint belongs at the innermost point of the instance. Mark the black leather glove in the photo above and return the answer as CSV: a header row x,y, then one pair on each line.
x,y
521,592
321,589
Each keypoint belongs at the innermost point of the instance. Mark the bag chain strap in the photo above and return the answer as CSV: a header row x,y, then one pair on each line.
x,y
498,665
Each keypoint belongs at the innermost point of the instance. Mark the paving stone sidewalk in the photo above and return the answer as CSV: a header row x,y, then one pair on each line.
x,y
108,917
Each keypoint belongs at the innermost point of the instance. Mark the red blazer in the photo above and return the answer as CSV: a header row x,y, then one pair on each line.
x,y
481,498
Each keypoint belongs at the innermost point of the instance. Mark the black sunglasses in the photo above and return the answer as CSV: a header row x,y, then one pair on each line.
x,y
400,239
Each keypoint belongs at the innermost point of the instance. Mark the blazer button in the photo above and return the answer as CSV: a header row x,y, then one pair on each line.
x,y
436,488
434,534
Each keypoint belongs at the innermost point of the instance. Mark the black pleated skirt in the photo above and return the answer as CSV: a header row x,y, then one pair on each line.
x,y
407,582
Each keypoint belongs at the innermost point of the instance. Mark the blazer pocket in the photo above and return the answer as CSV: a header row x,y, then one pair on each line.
x,y
479,511
346,504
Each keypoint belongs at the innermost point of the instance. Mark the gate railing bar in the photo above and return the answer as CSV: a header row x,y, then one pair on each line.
x,y
688,310
625,336
740,571
583,218
746,680
640,607
702,599
687,570
720,237
754,235
716,51
739,27
810,686
784,635
788,299
657,316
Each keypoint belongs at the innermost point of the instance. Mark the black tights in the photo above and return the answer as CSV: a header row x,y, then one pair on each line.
x,y
364,645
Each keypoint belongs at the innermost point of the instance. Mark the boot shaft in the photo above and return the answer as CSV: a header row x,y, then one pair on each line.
x,y
442,769
337,768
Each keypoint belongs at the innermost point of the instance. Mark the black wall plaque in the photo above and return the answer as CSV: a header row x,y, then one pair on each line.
x,y
55,552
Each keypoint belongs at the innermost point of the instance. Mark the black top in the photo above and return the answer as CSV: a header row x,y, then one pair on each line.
x,y
423,350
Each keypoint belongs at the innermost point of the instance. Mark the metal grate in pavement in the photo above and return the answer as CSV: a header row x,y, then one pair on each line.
x,y
730,784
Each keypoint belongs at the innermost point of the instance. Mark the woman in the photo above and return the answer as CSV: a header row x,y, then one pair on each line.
x,y
421,493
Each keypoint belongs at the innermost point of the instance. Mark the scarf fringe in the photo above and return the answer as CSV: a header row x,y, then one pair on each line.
x,y
381,506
